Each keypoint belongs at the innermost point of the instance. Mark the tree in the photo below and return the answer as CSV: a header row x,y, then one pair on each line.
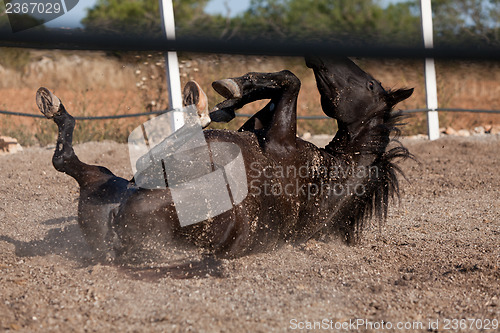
x,y
141,15
330,19
466,21
365,21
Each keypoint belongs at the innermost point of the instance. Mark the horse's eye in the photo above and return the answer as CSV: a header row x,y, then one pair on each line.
x,y
371,85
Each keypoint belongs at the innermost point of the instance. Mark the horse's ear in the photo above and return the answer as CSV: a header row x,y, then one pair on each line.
x,y
394,97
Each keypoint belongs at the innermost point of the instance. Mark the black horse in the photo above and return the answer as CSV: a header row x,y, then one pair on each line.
x,y
296,190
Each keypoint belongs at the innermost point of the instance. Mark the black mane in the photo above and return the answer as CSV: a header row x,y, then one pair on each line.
x,y
382,187
386,185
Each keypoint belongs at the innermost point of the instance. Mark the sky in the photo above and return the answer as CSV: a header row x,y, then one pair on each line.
x,y
74,16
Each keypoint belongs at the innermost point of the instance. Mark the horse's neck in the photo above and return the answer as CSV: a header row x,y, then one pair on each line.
x,y
362,142
340,142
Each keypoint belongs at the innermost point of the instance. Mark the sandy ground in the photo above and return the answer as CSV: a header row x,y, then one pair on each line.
x,y
435,260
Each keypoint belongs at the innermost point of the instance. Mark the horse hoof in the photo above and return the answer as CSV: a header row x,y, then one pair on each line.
x,y
194,95
224,112
227,88
221,116
48,103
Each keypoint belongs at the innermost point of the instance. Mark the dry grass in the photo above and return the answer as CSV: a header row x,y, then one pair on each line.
x,y
91,83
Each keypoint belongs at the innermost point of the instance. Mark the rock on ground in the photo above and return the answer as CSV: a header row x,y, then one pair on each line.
x,y
9,145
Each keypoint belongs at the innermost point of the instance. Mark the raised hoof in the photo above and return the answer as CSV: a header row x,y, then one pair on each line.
x,y
222,116
227,88
224,112
194,95
48,103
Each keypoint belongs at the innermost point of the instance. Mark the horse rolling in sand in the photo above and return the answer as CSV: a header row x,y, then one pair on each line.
x,y
296,191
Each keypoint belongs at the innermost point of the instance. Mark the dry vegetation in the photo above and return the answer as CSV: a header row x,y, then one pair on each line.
x,y
92,83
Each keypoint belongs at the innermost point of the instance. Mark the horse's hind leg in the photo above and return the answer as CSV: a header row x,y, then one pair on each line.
x,y
64,158
100,190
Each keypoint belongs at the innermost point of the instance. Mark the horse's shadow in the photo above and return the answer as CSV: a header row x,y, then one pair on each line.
x,y
67,241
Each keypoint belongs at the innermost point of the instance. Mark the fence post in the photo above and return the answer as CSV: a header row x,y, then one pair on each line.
x,y
430,72
172,65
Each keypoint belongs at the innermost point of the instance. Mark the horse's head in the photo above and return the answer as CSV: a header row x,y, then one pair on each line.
x,y
348,94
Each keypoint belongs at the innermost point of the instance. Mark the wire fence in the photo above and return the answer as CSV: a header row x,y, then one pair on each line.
x,y
142,114
119,116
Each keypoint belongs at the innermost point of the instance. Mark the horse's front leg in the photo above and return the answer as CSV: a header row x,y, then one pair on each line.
x,y
278,119
262,119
